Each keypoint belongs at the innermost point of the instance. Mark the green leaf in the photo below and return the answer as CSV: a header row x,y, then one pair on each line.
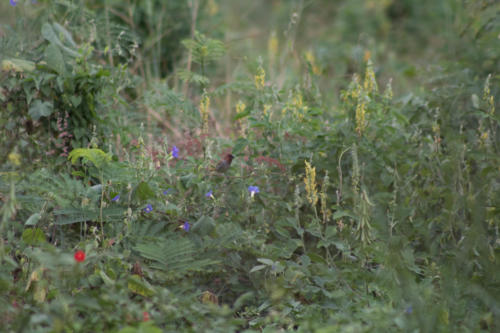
x,y
137,285
94,155
243,299
33,236
49,34
33,219
475,101
204,49
239,145
107,280
75,100
265,261
40,109
17,65
241,115
144,192
75,215
204,226
174,256
191,77
341,213
144,327
257,268
55,59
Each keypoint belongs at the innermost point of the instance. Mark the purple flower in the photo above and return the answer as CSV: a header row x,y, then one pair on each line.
x,y
253,190
209,194
175,152
116,198
148,208
13,3
409,310
186,226
167,191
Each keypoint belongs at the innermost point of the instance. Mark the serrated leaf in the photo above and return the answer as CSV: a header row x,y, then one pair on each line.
x,y
33,236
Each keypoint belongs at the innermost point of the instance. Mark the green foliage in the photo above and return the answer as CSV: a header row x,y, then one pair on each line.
x,y
347,206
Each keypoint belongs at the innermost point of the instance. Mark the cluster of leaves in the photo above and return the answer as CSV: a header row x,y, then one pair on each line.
x,y
374,213
55,104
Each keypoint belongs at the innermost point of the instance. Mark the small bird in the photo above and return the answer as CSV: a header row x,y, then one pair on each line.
x,y
224,165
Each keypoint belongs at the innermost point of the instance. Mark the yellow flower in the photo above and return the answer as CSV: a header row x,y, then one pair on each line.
x,y
360,116
260,78
310,182
266,109
370,83
15,159
240,107
312,61
213,7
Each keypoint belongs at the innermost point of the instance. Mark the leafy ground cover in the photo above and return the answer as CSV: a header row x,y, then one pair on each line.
x,y
361,193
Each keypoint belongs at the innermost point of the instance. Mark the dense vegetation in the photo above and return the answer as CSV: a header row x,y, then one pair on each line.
x,y
364,193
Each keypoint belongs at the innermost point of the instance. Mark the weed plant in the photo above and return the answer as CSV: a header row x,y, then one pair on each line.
x,y
354,202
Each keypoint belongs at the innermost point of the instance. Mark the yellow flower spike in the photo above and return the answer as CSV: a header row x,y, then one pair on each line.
x,y
370,84
240,107
360,116
311,186
260,78
267,107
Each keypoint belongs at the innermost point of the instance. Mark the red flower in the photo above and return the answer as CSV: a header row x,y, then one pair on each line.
x,y
79,256
145,316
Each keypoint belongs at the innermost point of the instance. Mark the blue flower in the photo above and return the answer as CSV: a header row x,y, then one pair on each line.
x,y
148,208
167,191
13,3
175,152
116,198
186,226
209,194
409,310
253,190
